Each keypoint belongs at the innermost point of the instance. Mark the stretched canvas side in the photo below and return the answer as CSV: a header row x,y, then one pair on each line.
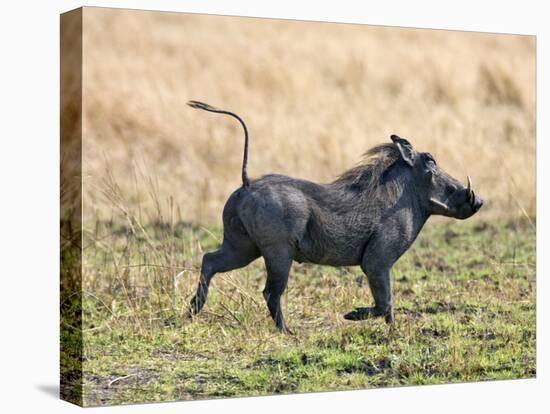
x,y
71,207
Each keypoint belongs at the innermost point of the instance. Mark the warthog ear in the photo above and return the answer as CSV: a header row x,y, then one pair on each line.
x,y
405,149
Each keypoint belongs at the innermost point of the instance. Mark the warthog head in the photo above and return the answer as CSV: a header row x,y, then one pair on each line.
x,y
441,193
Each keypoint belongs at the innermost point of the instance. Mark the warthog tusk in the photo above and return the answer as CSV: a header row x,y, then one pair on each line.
x,y
439,204
470,191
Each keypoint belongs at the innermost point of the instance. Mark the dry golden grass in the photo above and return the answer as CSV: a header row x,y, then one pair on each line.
x,y
314,95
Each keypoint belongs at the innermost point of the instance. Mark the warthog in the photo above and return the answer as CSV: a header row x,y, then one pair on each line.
x,y
369,216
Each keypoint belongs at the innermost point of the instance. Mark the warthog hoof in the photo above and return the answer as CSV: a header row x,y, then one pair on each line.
x,y
287,331
360,314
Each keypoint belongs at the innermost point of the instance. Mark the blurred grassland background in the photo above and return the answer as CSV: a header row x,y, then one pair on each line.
x,y
315,96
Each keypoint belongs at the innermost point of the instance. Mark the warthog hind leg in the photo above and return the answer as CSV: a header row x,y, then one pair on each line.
x,y
228,257
277,263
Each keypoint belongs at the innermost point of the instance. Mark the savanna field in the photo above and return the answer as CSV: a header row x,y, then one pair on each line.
x,y
315,96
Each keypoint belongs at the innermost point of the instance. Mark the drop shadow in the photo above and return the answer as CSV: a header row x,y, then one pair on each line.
x,y
49,389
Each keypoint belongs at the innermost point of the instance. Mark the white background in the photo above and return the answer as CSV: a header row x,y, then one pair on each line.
x,y
29,212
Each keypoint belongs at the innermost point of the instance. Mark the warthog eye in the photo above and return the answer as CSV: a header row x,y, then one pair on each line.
x,y
450,190
429,160
429,164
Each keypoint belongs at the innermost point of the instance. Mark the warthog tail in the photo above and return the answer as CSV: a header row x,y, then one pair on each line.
x,y
206,107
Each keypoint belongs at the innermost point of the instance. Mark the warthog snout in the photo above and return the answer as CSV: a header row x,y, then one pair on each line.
x,y
461,204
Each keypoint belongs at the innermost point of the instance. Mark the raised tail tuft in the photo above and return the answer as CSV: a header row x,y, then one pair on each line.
x,y
209,108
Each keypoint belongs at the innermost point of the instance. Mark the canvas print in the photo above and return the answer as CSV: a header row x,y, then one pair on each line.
x,y
259,206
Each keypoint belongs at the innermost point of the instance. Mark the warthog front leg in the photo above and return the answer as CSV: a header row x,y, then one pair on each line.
x,y
380,286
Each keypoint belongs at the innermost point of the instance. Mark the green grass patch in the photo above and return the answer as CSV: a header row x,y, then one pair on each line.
x,y
464,300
